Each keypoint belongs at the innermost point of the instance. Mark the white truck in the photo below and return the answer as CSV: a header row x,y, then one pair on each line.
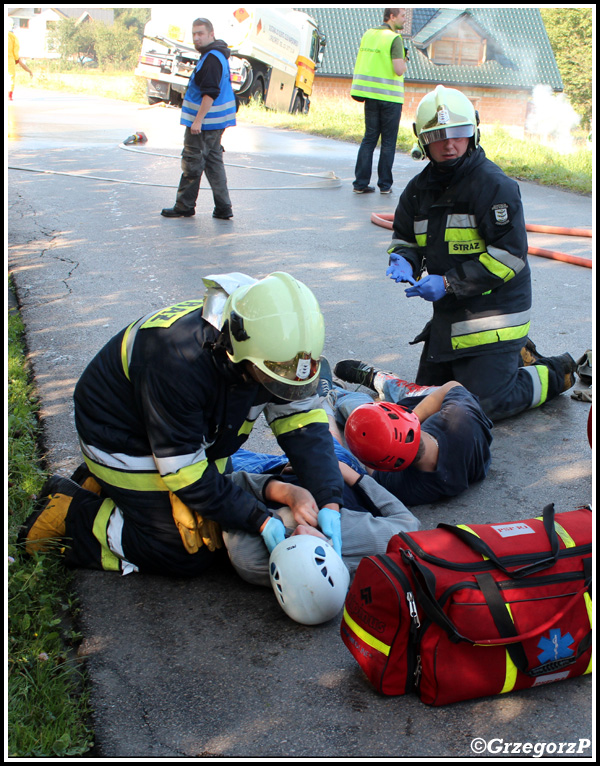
x,y
275,52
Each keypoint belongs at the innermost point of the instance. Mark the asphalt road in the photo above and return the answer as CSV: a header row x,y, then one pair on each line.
x,y
212,667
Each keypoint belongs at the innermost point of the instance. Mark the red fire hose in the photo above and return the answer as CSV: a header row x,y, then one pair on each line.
x,y
385,220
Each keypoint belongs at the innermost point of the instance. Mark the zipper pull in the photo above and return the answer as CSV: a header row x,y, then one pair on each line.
x,y
412,609
417,673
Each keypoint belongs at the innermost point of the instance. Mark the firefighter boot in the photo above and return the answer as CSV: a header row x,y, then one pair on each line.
x,y
48,522
86,479
529,354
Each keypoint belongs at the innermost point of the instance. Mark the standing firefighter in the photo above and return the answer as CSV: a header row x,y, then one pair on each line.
x,y
461,219
163,406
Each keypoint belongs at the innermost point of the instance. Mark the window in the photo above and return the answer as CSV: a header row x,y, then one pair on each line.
x,y
460,45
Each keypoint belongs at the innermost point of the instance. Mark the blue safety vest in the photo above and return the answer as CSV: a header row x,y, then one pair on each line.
x,y
222,113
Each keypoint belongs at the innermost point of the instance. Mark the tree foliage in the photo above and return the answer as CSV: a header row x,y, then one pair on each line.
x,y
570,31
116,46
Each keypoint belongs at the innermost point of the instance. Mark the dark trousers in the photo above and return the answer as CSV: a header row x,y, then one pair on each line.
x,y
504,387
382,118
203,153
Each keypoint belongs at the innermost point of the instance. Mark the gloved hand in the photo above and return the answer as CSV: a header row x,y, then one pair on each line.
x,y
400,269
430,288
273,533
331,525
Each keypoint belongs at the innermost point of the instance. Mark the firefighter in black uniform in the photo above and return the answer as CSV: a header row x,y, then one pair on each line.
x,y
461,219
163,406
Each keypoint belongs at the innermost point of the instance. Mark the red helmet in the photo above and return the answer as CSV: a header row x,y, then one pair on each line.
x,y
383,436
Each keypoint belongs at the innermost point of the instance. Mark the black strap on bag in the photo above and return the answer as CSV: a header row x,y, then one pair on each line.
x,y
477,544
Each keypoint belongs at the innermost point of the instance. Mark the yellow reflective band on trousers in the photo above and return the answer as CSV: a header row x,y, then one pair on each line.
x,y
110,562
368,639
470,340
300,420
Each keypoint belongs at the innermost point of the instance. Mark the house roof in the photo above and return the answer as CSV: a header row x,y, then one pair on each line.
x,y
518,48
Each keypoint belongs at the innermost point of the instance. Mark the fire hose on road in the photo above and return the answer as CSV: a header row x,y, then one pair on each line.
x,y
386,221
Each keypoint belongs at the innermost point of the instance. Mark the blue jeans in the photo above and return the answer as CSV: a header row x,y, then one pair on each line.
x,y
382,118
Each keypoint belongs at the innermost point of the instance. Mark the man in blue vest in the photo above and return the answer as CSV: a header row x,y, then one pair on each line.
x,y
208,108
379,81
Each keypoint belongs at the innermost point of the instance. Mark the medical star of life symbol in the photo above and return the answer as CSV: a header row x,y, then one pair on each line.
x,y
556,647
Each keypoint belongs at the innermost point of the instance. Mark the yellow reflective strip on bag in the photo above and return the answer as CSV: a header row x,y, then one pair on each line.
x,y
300,420
588,606
110,562
510,678
562,533
489,336
468,529
370,640
138,481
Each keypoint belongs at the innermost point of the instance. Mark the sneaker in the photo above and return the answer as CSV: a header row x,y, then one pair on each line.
x,y
173,212
325,378
365,190
48,522
385,191
223,215
354,371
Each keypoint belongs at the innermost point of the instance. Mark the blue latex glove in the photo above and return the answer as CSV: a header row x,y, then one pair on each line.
x,y
273,533
331,526
400,269
430,288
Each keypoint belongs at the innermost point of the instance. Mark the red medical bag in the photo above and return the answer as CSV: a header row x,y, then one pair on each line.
x,y
467,611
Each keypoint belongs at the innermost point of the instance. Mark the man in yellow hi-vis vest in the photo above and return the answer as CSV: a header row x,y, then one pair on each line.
x,y
378,81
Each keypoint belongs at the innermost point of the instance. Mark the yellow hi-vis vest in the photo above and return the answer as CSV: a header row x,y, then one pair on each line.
x,y
374,75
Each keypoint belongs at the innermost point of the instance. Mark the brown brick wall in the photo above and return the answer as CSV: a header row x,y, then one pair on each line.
x,y
504,107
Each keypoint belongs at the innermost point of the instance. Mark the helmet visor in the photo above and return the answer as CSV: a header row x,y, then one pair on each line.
x,y
290,380
442,134
301,367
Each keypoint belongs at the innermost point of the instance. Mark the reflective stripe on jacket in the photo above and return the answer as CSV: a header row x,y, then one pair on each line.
x,y
472,232
374,75
222,113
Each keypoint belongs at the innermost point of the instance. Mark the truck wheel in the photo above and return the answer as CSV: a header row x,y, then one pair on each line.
x,y
257,91
298,105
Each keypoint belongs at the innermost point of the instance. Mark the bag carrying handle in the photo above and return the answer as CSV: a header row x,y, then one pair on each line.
x,y
478,545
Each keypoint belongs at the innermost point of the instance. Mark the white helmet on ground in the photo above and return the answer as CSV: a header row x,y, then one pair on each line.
x,y
309,579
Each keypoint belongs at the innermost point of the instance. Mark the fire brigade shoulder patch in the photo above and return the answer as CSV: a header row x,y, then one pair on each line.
x,y
501,213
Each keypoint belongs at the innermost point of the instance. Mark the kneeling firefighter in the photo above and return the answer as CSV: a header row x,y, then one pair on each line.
x,y
163,406
461,220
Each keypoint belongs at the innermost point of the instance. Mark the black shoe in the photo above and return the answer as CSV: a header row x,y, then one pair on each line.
x,y
364,190
325,378
353,371
173,212
222,216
